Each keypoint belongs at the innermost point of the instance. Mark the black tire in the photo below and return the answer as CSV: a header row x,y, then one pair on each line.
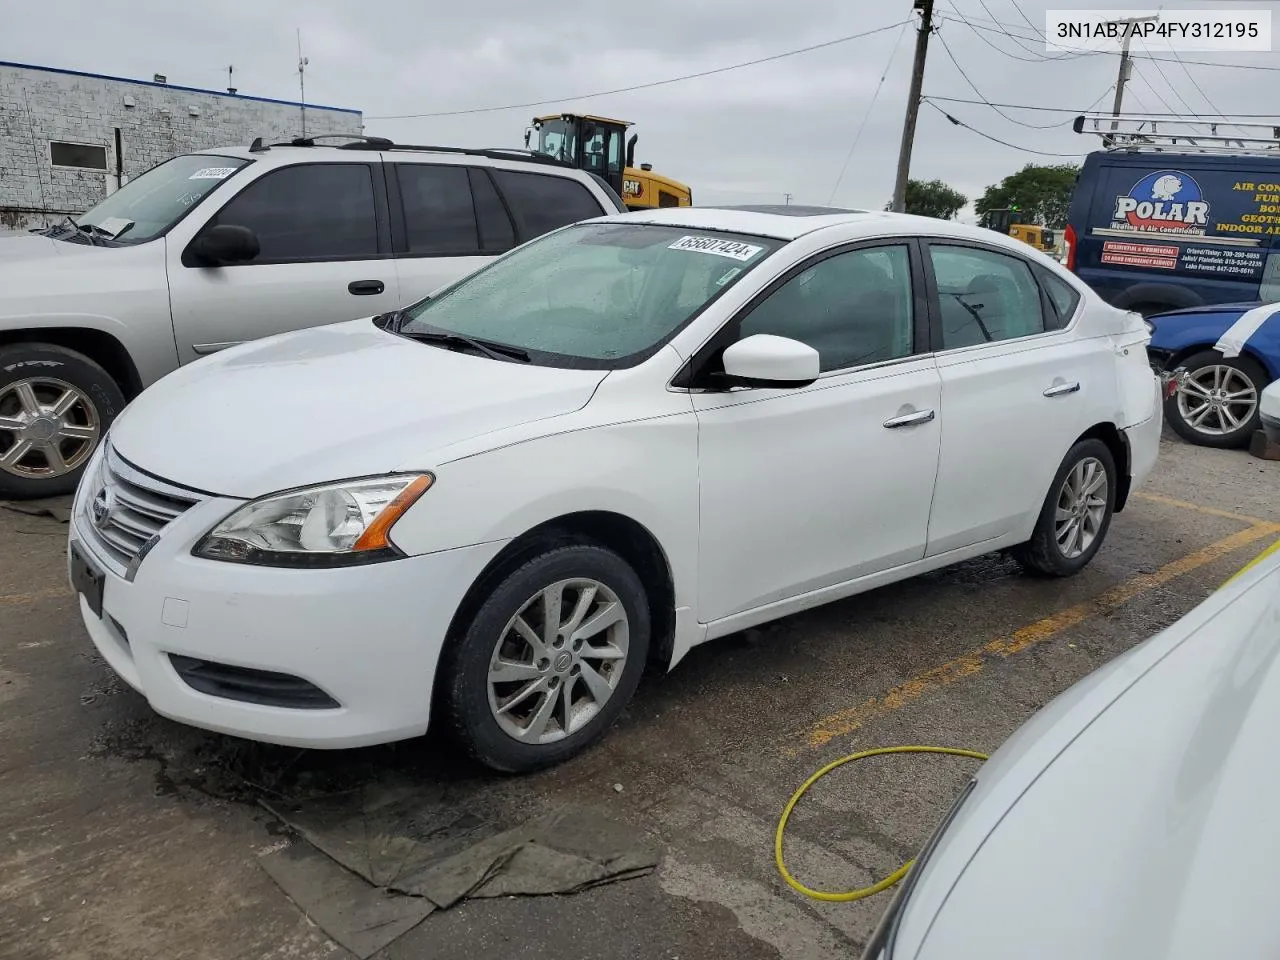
x,y
1235,438
464,672
1042,554
48,363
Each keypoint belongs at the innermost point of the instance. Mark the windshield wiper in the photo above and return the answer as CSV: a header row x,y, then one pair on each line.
x,y
95,236
973,312
447,338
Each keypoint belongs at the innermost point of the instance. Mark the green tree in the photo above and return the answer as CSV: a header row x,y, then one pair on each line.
x,y
1042,195
933,198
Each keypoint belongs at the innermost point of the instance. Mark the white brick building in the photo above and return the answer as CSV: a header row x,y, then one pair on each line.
x,y
67,139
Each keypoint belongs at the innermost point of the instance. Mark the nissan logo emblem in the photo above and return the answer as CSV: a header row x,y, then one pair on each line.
x,y
100,508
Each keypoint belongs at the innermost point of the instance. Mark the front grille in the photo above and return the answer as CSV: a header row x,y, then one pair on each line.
x,y
251,686
126,509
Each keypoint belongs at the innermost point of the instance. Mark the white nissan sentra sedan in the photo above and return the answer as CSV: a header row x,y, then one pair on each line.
x,y
625,438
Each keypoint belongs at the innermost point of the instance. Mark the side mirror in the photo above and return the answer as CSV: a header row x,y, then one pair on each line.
x,y
225,243
764,360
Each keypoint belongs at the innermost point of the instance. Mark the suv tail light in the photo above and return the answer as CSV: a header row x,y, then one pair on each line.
x,y
1069,243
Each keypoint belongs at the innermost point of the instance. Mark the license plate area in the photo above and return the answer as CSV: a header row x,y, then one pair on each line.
x,y
87,580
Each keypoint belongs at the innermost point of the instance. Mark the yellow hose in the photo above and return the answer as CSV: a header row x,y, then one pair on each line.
x,y
887,882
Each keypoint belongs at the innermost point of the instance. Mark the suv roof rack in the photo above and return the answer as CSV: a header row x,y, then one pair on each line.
x,y
1174,134
358,142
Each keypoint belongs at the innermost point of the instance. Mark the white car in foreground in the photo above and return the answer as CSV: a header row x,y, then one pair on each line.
x,y
1132,817
618,441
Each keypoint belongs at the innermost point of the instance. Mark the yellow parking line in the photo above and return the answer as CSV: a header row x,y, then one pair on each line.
x,y
33,597
1197,507
843,722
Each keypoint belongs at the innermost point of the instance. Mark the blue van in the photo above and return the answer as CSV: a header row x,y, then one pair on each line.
x,y
1153,230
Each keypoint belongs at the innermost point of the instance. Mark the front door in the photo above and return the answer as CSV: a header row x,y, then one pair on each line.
x,y
806,488
324,257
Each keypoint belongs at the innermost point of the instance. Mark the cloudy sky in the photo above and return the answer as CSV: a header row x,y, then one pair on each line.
x,y
747,135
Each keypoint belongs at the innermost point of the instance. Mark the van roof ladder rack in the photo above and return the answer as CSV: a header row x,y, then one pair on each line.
x,y
1174,134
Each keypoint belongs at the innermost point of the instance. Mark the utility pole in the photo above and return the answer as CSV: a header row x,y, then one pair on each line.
x,y
913,104
231,88
302,83
787,198
1126,66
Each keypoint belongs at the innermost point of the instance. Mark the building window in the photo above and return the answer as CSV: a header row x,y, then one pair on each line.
x,y
84,155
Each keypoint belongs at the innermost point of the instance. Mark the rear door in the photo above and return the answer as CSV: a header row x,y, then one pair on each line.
x,y
447,220
325,256
1016,392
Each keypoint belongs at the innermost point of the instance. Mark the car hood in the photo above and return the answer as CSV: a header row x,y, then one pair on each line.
x,y
329,403
1151,830
21,249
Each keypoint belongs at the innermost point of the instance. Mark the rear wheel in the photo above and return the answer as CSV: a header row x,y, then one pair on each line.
x,y
1216,403
550,659
1076,514
55,405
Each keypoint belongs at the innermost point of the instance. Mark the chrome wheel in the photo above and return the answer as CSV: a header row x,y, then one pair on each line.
x,y
1082,507
48,428
1216,400
558,661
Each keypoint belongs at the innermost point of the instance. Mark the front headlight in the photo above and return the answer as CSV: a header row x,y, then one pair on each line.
x,y
337,524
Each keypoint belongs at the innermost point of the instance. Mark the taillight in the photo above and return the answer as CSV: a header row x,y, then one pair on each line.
x,y
1069,243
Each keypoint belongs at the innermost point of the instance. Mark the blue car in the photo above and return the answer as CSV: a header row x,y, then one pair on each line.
x,y
1216,360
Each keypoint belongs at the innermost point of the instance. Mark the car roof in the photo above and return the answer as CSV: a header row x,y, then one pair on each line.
x,y
782,223
281,153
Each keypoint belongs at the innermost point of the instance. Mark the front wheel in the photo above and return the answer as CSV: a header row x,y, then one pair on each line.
x,y
1076,514
1216,402
55,405
550,659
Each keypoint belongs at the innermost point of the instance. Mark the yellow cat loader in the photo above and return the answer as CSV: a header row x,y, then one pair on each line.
x,y
1032,234
595,144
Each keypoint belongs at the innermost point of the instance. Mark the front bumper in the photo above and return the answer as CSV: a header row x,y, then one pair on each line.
x,y
1270,413
367,637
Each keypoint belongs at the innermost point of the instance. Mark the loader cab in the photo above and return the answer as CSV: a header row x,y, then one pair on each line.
x,y
593,144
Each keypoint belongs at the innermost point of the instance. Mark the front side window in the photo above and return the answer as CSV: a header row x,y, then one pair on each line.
x,y
316,211
984,296
594,295
151,203
854,308
439,215
542,203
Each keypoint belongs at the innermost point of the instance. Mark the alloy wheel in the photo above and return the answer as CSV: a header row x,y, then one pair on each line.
x,y
48,428
1082,507
558,661
1216,400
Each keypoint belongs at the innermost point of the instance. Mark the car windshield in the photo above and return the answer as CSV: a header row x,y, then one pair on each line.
x,y
149,205
595,294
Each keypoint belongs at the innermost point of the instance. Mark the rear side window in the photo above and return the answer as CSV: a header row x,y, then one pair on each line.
x,y
496,232
984,296
439,217
543,203
318,211
1062,296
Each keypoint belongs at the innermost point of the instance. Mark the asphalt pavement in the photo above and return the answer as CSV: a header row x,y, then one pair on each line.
x,y
123,835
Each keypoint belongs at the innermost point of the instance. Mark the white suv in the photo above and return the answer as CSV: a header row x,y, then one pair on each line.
x,y
211,249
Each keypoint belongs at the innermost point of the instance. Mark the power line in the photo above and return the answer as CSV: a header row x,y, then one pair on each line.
x,y
978,32
1212,106
644,86
1077,110
1152,88
867,115
974,87
1176,92
1003,143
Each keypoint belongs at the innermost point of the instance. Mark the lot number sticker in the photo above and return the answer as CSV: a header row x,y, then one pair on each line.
x,y
212,173
733,249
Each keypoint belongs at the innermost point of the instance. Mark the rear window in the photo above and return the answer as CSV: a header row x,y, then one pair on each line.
x,y
1062,295
543,203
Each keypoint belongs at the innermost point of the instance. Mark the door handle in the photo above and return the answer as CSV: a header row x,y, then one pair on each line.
x,y
909,419
365,288
1062,389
